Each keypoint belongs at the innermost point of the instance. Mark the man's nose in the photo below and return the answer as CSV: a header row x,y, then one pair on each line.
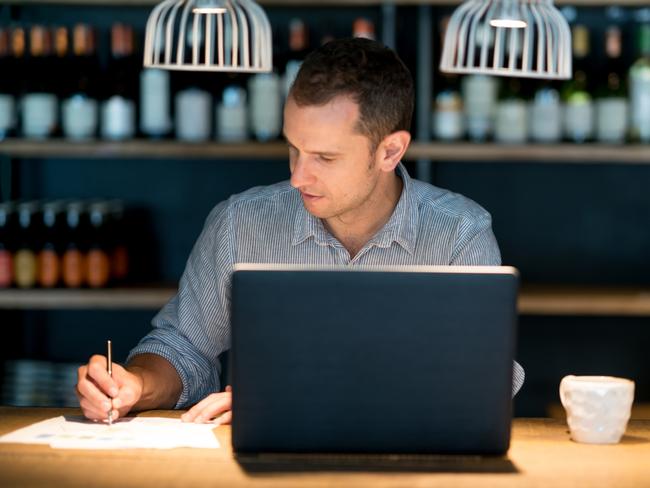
x,y
301,176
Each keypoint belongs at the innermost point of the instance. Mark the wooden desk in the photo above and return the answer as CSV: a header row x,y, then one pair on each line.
x,y
541,455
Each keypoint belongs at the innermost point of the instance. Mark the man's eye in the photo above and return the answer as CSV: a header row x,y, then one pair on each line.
x,y
325,159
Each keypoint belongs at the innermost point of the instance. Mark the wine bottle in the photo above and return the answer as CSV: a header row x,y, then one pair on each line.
x,y
75,238
231,115
479,102
62,63
7,237
363,27
118,250
265,93
298,49
448,123
39,104
545,113
578,104
25,262
7,86
19,69
118,108
639,80
193,107
50,252
80,110
98,258
611,99
155,117
511,120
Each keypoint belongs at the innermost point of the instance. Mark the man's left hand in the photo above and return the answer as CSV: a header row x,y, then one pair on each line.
x,y
214,408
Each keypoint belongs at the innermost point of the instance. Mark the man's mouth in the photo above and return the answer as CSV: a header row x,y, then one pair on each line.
x,y
309,196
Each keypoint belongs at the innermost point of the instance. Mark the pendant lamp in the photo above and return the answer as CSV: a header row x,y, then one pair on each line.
x,y
520,38
209,35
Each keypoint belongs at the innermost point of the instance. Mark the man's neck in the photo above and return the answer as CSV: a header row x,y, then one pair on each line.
x,y
353,232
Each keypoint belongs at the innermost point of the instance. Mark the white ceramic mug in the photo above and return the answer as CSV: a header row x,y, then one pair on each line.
x,y
597,407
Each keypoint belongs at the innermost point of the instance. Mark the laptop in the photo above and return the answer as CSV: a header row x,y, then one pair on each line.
x,y
413,359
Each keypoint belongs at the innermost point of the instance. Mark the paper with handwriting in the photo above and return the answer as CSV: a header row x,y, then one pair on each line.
x,y
75,432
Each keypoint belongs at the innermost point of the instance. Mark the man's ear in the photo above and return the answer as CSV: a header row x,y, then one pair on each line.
x,y
391,150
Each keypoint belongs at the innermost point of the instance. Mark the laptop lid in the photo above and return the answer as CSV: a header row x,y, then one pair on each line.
x,y
385,360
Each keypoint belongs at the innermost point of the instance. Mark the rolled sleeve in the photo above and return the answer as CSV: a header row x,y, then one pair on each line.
x,y
193,329
518,377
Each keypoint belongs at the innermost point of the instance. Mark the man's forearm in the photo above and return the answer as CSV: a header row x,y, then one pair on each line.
x,y
161,385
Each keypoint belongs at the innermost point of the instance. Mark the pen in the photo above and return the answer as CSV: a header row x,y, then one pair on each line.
x,y
109,368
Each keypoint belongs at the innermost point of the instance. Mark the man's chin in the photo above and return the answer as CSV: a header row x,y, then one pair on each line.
x,y
314,209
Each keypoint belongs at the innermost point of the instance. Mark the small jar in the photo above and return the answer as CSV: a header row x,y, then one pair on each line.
x,y
231,123
193,115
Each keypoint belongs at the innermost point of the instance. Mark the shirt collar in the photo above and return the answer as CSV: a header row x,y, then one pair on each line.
x,y
400,228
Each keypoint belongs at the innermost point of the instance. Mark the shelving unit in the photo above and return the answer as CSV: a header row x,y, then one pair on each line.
x,y
533,300
437,151
584,300
103,299
555,305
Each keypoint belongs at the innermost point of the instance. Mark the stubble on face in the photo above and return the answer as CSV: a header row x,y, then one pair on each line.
x,y
346,188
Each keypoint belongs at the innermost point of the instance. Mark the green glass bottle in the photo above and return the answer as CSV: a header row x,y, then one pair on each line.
x,y
511,120
639,81
578,104
611,96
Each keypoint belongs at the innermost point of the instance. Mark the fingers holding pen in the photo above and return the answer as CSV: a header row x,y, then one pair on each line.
x,y
92,412
96,390
98,372
88,388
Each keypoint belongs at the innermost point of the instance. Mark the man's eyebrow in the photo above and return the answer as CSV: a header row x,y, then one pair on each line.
x,y
320,153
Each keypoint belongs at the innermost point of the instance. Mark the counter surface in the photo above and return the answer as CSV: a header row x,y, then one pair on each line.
x,y
541,455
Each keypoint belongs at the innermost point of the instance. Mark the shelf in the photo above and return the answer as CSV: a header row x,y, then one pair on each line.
x,y
532,153
582,300
308,3
533,300
436,151
104,299
60,148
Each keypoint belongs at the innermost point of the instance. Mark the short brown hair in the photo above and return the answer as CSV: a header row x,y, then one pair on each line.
x,y
369,72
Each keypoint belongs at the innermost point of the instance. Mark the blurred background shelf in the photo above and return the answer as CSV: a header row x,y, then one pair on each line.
x,y
584,300
437,151
532,153
21,148
101,299
533,300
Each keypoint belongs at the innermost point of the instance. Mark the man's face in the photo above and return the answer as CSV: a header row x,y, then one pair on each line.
x,y
330,162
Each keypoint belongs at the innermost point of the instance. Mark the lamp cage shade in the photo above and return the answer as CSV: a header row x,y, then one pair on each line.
x,y
209,35
521,38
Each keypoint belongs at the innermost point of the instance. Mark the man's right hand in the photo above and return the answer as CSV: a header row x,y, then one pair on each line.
x,y
95,389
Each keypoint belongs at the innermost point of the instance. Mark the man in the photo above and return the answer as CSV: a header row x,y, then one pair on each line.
x,y
349,201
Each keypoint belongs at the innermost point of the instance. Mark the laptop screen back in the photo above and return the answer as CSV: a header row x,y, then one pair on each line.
x,y
399,360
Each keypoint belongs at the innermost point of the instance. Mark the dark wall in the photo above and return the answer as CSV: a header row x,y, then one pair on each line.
x,y
569,223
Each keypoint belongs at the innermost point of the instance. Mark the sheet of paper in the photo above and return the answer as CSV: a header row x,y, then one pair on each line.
x,y
72,432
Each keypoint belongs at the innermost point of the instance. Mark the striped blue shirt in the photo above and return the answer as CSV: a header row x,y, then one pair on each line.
x,y
429,226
